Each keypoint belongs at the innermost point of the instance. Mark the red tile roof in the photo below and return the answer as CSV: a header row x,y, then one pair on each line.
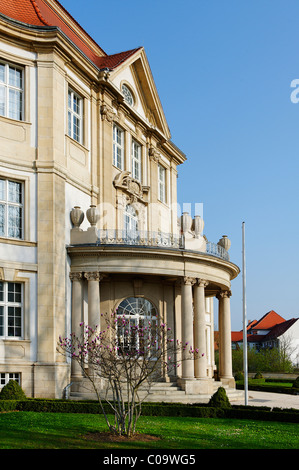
x,y
269,320
40,13
21,10
237,336
113,61
250,324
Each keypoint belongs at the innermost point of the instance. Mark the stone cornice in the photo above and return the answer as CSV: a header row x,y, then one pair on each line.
x,y
187,260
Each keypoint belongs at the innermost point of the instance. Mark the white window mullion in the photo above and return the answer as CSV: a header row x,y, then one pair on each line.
x,y
75,116
162,183
118,147
136,160
11,91
5,377
11,310
11,209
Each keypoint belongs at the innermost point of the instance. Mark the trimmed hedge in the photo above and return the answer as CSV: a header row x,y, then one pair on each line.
x,y
263,387
156,409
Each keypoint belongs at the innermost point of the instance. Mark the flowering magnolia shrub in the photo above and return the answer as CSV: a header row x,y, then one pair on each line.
x,y
126,355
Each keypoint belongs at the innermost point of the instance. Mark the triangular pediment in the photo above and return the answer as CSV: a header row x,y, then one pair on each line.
x,y
136,75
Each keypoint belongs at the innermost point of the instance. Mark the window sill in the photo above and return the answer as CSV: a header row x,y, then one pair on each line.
x,y
16,241
117,167
14,121
75,142
164,203
12,339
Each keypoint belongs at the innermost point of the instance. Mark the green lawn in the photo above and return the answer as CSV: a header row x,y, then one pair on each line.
x,y
30,430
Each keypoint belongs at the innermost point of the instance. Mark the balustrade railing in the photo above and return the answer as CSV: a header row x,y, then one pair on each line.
x,y
138,238
217,250
153,239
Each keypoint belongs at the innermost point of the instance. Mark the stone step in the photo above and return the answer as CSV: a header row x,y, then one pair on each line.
x,y
179,397
167,392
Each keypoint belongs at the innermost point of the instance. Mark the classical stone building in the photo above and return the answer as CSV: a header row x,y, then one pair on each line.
x,y
88,210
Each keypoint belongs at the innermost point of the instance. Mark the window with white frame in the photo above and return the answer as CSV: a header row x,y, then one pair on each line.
x,y
118,147
11,309
131,222
11,208
75,116
11,91
5,377
161,183
137,326
136,160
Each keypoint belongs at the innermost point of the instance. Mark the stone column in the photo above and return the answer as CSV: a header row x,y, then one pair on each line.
x,y
200,362
220,331
225,360
77,315
94,315
187,327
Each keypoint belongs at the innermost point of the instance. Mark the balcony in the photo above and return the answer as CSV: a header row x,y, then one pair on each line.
x,y
190,238
156,240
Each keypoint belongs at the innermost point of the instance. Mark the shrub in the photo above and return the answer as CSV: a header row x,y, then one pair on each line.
x,y
239,376
12,391
220,399
296,384
258,375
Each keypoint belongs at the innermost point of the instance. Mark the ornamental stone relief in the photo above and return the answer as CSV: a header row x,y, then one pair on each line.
x,y
135,190
107,113
154,155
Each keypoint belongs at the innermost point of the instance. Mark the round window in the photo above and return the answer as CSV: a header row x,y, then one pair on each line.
x,y
128,95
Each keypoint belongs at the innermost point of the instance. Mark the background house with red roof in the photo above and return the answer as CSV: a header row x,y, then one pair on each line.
x,y
272,330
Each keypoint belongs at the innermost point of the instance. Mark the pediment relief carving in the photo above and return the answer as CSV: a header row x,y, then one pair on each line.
x,y
133,187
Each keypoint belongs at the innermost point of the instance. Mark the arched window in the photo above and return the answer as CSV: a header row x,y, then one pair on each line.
x,y
131,222
137,326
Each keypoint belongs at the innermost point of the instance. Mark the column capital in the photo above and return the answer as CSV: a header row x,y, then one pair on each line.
x,y
188,281
202,282
224,294
76,276
93,276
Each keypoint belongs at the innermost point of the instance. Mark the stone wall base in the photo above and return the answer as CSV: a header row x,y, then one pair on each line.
x,y
229,381
40,380
196,386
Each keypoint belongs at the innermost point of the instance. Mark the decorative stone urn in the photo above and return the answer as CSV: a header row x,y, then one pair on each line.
x,y
224,242
186,222
77,217
92,215
198,225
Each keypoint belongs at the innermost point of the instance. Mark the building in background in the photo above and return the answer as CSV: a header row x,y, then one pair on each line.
x,y
271,331
88,207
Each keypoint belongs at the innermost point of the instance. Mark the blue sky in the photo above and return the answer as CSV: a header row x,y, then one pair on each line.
x,y
223,70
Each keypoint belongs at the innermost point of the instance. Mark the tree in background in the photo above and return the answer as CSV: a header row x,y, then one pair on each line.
x,y
265,360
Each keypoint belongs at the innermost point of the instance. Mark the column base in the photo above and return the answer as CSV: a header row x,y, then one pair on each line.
x,y
196,386
230,381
